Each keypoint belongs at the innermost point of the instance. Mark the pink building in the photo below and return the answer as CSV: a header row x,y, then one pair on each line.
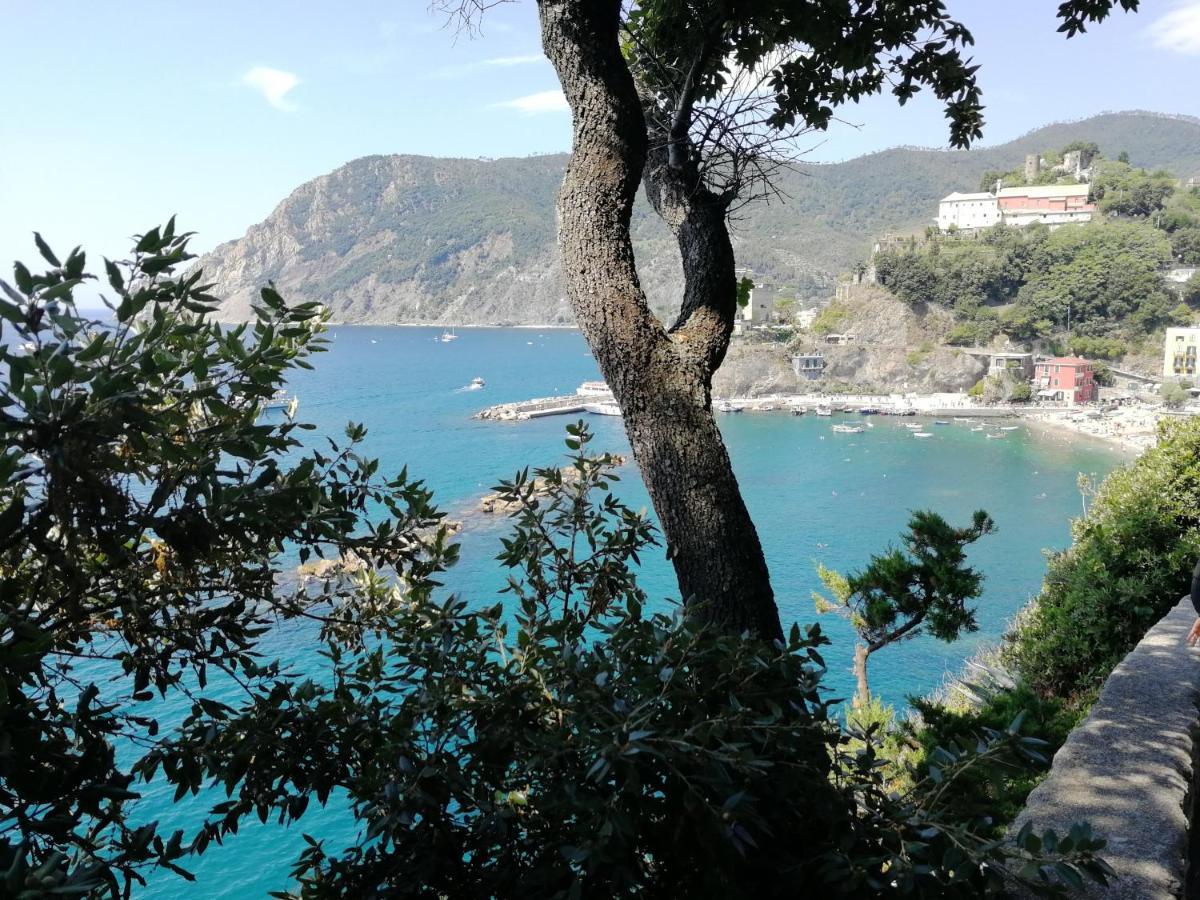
x,y
1066,378
1053,204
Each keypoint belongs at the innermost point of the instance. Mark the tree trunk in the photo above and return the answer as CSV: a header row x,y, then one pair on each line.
x,y
863,696
661,380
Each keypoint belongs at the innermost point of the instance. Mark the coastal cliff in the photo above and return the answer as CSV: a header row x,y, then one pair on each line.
x,y
387,239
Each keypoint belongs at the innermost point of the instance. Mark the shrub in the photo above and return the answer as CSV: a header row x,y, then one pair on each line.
x,y
830,319
144,502
1098,347
1131,561
999,791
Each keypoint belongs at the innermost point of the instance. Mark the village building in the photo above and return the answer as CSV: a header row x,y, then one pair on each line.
x,y
808,365
1049,204
965,212
756,313
1018,365
839,340
1066,379
1179,352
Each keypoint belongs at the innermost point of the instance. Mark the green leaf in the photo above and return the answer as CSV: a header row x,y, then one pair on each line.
x,y
44,249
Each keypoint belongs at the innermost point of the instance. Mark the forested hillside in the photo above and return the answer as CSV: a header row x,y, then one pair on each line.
x,y
1101,283
418,239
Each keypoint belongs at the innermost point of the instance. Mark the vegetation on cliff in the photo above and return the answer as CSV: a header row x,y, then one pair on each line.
x,y
1103,280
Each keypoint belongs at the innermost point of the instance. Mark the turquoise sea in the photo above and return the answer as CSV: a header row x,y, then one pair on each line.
x,y
815,496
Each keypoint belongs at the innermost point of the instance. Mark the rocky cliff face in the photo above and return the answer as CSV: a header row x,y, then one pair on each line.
x,y
415,239
896,349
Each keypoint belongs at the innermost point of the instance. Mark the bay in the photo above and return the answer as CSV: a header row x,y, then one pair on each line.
x,y
816,496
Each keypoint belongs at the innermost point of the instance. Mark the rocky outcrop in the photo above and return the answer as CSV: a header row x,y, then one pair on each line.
x,y
895,349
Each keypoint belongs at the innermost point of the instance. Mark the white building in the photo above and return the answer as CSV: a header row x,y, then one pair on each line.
x,y
806,317
758,308
1179,353
968,211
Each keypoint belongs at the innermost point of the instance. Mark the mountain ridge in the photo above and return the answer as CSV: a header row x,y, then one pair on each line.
x,y
404,238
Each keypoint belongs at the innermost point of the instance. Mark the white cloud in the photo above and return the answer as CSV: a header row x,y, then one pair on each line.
x,y
273,84
496,62
534,104
526,60
1179,30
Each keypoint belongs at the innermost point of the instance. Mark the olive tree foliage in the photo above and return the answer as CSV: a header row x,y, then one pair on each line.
x,y
923,588
144,504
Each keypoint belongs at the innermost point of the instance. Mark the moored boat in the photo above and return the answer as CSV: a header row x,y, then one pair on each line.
x,y
607,408
843,428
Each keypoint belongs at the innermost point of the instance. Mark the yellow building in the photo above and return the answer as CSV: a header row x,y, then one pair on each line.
x,y
1179,355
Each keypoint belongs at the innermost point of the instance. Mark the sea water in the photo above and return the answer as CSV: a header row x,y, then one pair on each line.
x,y
815,496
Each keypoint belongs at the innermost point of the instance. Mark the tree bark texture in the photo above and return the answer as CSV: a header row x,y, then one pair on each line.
x,y
863,695
661,380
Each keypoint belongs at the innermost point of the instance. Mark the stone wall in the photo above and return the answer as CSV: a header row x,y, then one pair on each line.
x,y
1128,769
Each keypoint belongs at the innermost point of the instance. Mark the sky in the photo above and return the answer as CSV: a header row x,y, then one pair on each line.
x,y
114,116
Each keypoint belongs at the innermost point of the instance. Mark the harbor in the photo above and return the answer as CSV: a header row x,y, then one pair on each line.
x,y
594,397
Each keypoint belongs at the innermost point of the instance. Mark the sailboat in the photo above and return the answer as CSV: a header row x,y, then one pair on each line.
x,y
448,335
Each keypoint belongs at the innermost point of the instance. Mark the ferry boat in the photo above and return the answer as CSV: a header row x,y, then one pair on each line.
x,y
843,428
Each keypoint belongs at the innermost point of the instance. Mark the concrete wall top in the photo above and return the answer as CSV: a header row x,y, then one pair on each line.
x,y
1127,768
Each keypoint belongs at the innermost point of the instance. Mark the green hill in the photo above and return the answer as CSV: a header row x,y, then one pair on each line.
x,y
405,238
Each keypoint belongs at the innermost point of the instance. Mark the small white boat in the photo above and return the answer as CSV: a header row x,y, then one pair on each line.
x,y
448,335
941,421
1010,427
824,410
608,408
843,428
726,407
994,436
922,434
278,400
912,426
476,384
961,419
798,411
977,428
281,400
